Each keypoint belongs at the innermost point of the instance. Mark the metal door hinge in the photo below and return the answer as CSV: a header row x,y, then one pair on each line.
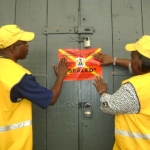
x,y
68,30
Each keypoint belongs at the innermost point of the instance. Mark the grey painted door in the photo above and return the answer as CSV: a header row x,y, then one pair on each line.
x,y
67,127
63,126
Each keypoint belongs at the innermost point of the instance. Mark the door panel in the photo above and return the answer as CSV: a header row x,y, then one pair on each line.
x,y
7,16
62,119
29,16
89,132
146,16
96,130
127,27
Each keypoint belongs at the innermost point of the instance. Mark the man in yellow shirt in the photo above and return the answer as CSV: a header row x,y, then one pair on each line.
x,y
19,89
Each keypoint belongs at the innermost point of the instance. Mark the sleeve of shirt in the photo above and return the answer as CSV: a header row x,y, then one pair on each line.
x,y
123,101
28,88
130,68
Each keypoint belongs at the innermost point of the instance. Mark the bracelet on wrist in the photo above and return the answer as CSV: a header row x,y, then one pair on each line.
x,y
101,91
114,61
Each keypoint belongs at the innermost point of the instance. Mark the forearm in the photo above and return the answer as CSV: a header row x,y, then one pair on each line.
x,y
56,90
108,60
122,62
124,100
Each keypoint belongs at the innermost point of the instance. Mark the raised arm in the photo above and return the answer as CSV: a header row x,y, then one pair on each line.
x,y
109,60
61,72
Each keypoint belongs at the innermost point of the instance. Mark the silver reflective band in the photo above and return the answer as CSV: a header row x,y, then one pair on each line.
x,y
133,135
15,126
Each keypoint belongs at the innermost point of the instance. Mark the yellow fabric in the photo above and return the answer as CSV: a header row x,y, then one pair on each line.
x,y
135,123
13,113
142,46
9,34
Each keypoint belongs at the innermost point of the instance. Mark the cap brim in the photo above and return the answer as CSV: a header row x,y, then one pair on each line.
x,y
27,36
130,47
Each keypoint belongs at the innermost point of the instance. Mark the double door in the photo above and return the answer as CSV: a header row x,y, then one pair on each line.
x,y
109,24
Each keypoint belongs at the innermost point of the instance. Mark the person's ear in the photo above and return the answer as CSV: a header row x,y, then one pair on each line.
x,y
13,48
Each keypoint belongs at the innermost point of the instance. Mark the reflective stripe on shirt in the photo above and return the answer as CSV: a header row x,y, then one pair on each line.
x,y
132,134
15,126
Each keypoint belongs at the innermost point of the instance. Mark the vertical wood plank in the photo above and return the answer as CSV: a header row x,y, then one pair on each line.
x,y
62,119
127,24
7,12
96,130
146,16
31,15
127,28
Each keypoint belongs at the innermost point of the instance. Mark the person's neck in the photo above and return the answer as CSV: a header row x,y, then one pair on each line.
x,y
7,56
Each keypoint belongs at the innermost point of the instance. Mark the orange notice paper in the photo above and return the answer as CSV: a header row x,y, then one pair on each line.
x,y
81,64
